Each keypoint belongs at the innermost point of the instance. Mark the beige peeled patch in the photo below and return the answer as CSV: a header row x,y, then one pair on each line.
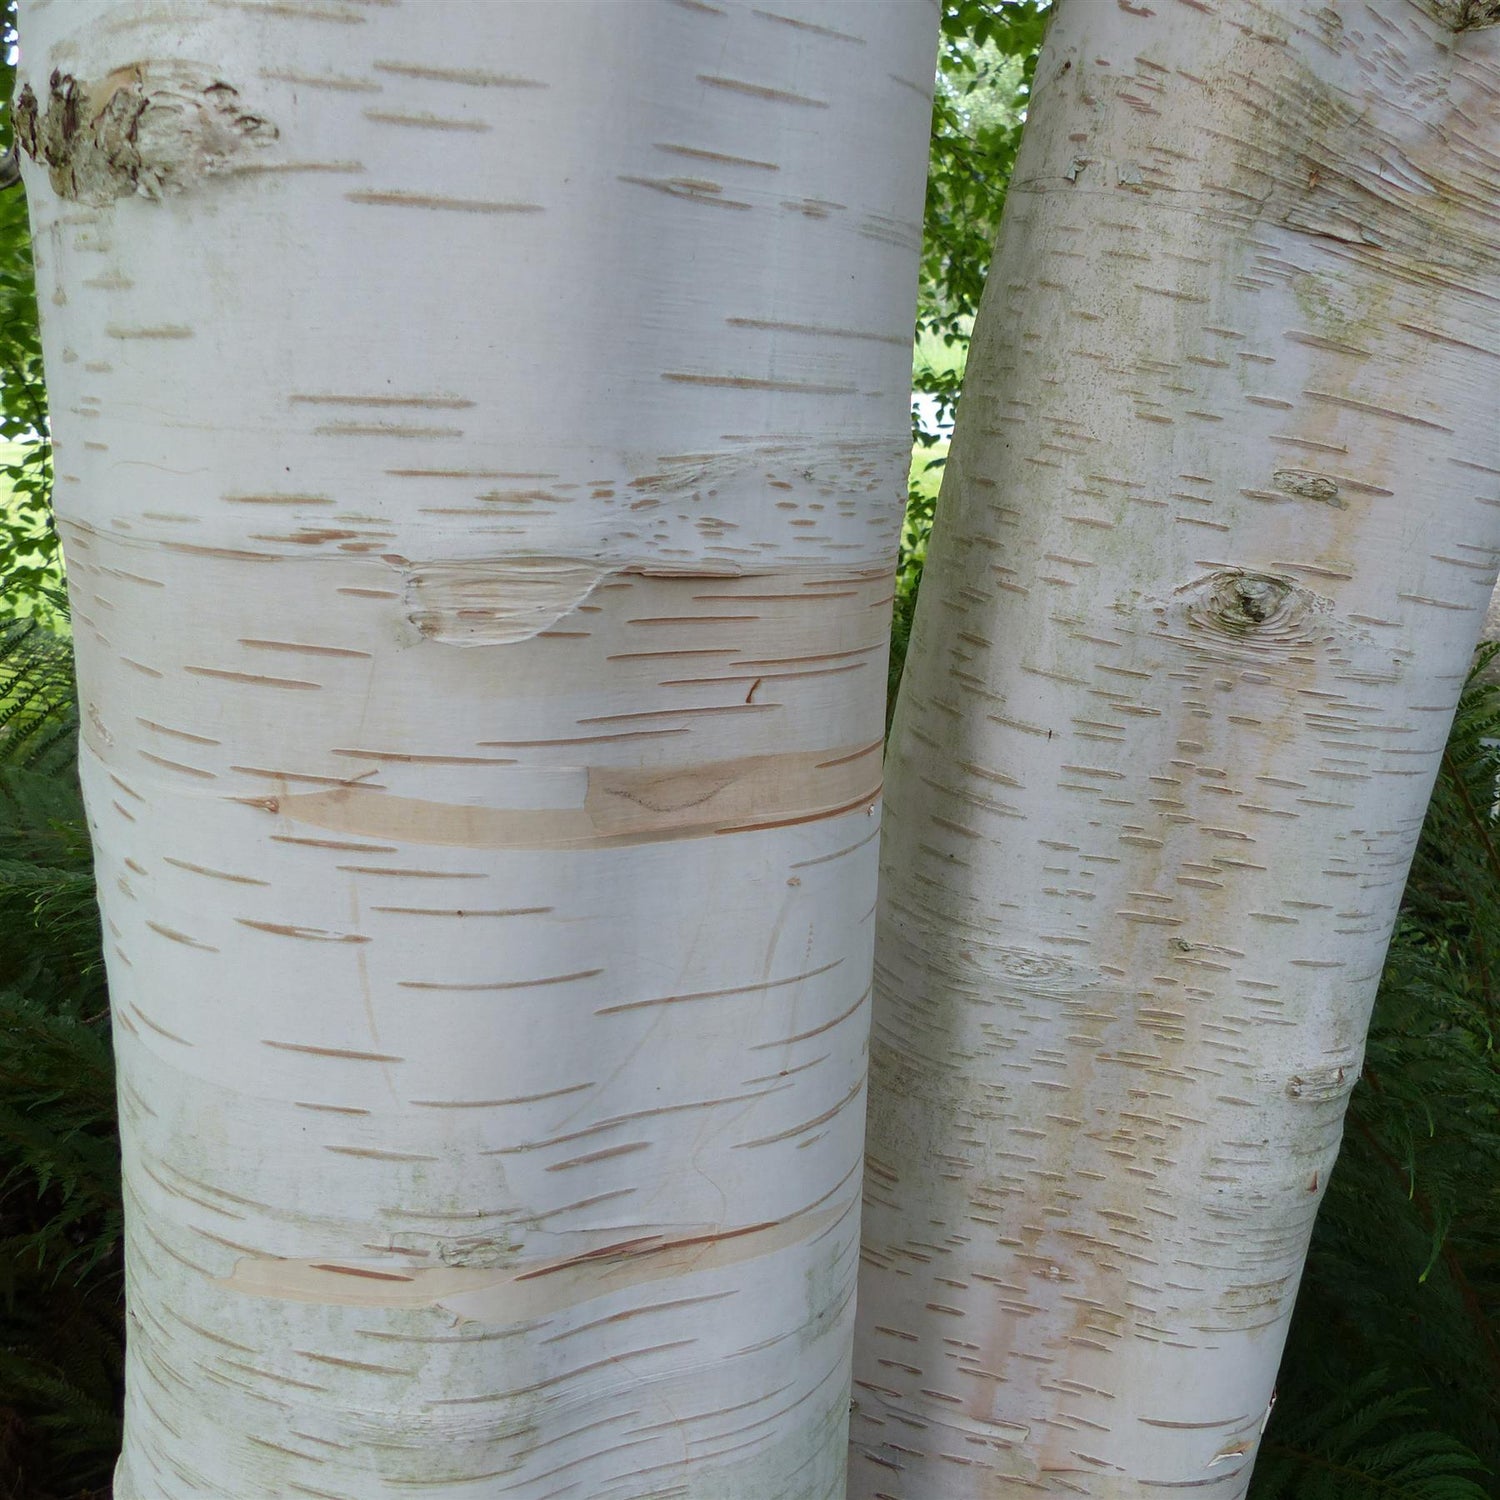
x,y
620,805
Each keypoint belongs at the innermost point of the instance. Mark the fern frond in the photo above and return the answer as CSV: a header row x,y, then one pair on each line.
x,y
38,720
1367,1443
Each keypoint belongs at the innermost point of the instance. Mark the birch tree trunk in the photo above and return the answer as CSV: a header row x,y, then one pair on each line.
x,y
481,434
1217,534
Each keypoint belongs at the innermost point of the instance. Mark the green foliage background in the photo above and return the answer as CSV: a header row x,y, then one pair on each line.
x,y
1390,1389
61,1308
30,558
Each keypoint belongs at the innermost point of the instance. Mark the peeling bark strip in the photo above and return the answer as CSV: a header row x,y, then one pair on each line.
x,y
619,806
484,685
1217,531
491,1289
496,601
149,128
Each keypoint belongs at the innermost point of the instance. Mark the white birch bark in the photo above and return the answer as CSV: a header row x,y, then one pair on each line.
x,y
481,432
1217,534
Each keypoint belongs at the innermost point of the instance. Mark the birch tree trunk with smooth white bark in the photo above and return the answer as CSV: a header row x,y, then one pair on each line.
x,y
1217,534
481,433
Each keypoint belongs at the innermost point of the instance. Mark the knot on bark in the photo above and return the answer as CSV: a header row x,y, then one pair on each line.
x,y
1244,601
1239,614
1469,15
1307,485
147,129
